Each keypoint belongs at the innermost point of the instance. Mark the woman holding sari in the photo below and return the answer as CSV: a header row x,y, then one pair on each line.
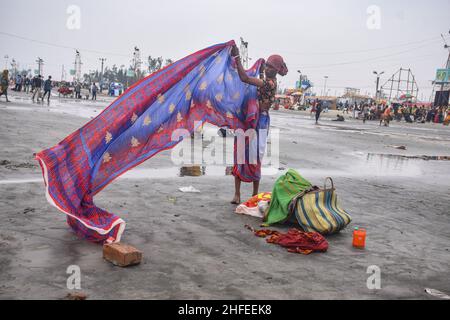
x,y
267,88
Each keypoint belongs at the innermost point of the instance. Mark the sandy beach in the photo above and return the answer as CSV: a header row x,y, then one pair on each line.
x,y
196,247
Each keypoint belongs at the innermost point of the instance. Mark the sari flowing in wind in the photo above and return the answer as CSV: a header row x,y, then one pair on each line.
x,y
203,86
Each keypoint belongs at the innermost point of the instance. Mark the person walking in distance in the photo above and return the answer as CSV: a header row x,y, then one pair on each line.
x,y
365,110
319,109
78,91
4,83
94,90
37,87
47,89
18,83
32,82
27,84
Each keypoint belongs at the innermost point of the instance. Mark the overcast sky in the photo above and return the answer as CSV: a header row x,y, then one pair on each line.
x,y
327,37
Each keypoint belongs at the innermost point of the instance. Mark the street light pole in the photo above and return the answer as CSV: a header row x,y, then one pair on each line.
x,y
378,83
325,86
301,78
300,86
244,53
40,63
14,67
101,74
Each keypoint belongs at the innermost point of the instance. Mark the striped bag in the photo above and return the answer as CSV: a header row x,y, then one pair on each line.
x,y
318,210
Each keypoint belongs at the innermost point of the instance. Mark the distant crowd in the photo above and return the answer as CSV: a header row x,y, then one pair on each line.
x,y
410,112
41,89
407,111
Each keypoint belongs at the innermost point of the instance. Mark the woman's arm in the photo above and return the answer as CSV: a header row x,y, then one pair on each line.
x,y
241,71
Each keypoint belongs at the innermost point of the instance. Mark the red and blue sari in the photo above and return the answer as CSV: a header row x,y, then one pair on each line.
x,y
203,86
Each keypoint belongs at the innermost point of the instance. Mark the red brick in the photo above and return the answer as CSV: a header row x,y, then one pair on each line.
x,y
121,255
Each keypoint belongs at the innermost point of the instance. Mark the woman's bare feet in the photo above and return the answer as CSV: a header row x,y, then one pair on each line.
x,y
236,199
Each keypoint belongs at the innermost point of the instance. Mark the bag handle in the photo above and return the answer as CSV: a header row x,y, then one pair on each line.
x,y
293,204
325,184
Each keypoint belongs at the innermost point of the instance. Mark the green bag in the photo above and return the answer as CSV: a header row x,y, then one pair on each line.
x,y
285,189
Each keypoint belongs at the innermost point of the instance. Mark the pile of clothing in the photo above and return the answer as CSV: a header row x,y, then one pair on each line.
x,y
315,210
295,240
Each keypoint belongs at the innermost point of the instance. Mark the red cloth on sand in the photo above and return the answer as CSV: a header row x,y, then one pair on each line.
x,y
295,240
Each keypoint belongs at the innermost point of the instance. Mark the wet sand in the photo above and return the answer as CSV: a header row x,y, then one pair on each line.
x,y
196,247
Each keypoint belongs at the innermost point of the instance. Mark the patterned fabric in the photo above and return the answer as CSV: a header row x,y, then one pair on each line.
x,y
253,206
249,169
319,211
204,86
266,94
295,241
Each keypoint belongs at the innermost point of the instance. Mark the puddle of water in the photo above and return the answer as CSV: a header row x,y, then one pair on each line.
x,y
156,173
79,111
146,173
371,165
18,181
381,165
177,172
367,165
341,129
403,157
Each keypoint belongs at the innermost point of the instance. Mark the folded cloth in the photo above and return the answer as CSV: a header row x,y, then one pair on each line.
x,y
296,241
253,206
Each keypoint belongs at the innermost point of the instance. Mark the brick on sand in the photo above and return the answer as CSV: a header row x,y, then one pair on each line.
x,y
121,254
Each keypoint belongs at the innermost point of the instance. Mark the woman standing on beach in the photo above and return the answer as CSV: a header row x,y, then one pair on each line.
x,y
267,88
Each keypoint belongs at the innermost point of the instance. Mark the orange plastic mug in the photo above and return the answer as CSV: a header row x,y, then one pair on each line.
x,y
359,238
